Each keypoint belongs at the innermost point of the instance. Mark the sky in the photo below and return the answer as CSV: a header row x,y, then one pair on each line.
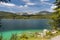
x,y
28,6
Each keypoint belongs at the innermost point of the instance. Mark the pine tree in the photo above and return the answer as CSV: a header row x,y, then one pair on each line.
x,y
5,1
56,15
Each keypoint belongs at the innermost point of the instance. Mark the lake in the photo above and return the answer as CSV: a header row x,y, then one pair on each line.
x,y
11,26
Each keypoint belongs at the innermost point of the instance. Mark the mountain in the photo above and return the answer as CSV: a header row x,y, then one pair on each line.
x,y
44,12
7,14
38,13
2,13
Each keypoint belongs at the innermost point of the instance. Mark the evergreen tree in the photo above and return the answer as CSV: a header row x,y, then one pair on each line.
x,y
5,1
56,15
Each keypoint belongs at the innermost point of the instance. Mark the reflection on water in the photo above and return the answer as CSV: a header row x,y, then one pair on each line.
x,y
24,24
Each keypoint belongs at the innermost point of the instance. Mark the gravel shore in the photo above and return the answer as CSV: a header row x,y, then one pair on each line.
x,y
56,38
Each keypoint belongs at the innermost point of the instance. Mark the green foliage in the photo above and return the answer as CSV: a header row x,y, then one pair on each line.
x,y
56,16
1,37
5,1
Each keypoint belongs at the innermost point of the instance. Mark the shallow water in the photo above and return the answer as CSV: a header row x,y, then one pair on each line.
x,y
7,34
12,26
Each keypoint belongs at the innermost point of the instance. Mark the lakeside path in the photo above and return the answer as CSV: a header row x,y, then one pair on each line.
x,y
56,38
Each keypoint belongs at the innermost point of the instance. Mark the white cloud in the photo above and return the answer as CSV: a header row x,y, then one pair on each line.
x,y
25,5
48,3
26,0
43,0
12,7
53,7
21,6
7,4
30,3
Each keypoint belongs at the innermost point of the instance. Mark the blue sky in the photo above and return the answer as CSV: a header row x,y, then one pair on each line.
x,y
27,6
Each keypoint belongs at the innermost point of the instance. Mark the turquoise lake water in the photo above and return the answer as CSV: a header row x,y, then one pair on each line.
x,y
12,26
7,34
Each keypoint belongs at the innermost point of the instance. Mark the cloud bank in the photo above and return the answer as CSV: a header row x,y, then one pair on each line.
x,y
29,6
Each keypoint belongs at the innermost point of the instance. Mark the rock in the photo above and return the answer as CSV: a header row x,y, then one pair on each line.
x,y
56,38
54,32
45,31
42,35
